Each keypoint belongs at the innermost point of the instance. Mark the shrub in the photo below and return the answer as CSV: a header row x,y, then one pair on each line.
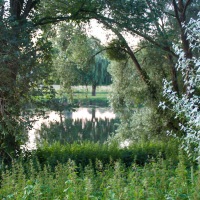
x,y
88,152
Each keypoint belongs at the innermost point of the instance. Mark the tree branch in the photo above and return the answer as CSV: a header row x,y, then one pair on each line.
x,y
103,19
29,6
105,49
177,13
75,16
142,73
2,11
48,20
140,49
188,2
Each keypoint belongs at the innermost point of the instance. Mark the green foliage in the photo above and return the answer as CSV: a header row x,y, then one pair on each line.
x,y
25,64
186,106
116,50
128,91
156,180
131,98
158,23
87,152
76,62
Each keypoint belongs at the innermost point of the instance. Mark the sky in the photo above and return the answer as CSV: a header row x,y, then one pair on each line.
x,y
105,36
95,29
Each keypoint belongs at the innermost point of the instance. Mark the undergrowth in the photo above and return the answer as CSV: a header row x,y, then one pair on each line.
x,y
152,171
113,181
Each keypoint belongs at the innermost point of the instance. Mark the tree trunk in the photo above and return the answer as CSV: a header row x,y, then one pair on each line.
x,y
180,14
142,73
12,126
173,74
94,89
93,114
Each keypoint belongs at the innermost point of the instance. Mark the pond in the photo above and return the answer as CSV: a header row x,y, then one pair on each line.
x,y
86,123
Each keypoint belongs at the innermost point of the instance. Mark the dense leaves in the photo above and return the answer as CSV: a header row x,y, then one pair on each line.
x,y
187,105
25,63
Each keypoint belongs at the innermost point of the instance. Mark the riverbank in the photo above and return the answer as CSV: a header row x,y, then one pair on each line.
x,y
82,95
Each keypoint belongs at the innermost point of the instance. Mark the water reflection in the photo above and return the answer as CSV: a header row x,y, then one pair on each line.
x,y
91,113
94,124
70,131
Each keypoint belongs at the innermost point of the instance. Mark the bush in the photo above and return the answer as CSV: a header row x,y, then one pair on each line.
x,y
88,152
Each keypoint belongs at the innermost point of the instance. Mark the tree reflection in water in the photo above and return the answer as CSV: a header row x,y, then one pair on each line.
x,y
97,130
93,124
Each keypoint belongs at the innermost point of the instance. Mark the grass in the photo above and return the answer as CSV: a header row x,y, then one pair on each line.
x,y
83,96
105,89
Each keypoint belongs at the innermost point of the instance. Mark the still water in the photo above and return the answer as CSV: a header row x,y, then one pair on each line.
x,y
94,124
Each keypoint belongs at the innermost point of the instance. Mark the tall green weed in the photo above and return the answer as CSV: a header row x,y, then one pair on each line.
x,y
156,181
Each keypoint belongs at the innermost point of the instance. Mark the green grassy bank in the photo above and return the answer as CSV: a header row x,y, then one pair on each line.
x,y
83,96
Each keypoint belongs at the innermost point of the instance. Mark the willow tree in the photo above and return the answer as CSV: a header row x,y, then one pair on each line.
x,y
77,59
100,74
